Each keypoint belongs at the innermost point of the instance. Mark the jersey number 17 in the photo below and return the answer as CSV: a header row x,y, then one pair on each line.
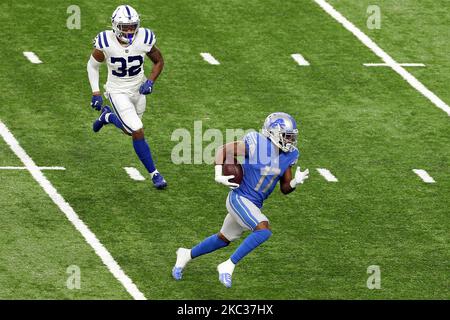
x,y
267,171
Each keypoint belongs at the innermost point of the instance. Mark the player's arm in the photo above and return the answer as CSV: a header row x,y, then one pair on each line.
x,y
226,154
288,184
229,151
93,69
158,64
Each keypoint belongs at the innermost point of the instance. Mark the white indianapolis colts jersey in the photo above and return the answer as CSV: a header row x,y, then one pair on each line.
x,y
125,64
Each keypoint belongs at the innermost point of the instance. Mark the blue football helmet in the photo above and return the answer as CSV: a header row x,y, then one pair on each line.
x,y
282,130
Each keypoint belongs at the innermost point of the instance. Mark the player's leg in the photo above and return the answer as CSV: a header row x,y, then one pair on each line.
x,y
208,245
125,110
107,117
230,231
140,103
141,145
247,214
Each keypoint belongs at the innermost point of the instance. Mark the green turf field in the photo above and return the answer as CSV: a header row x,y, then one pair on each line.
x,y
367,125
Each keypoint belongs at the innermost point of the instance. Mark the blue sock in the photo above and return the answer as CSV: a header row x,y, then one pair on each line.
x,y
250,243
208,245
112,118
143,152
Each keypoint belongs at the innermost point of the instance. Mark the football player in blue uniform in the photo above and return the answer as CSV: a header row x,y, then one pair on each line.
x,y
268,158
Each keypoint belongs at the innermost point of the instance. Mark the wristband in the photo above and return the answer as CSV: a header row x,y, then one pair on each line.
x,y
218,170
293,183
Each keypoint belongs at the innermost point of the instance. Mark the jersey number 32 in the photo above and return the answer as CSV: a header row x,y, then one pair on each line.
x,y
122,70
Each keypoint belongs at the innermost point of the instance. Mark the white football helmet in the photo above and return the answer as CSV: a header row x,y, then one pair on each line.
x,y
125,23
281,128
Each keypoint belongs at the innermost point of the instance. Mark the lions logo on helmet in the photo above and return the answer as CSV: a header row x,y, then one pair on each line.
x,y
125,23
278,122
282,130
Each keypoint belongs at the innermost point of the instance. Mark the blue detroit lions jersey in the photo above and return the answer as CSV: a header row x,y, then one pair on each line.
x,y
263,166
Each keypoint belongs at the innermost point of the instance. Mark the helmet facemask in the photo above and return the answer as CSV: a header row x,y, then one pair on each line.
x,y
126,32
283,139
289,140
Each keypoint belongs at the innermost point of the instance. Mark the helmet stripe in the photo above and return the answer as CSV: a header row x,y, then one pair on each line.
x,y
128,11
105,39
100,40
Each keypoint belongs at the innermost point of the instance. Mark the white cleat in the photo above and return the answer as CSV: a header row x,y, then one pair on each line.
x,y
225,270
183,257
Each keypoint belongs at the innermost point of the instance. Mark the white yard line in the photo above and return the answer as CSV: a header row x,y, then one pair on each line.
x,y
299,59
424,175
416,84
65,207
209,58
402,64
134,173
32,57
25,168
327,175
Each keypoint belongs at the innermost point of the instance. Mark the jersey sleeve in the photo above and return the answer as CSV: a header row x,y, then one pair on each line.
x,y
149,39
295,156
101,42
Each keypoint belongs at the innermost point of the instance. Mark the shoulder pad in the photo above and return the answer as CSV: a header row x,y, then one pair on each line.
x,y
101,41
149,37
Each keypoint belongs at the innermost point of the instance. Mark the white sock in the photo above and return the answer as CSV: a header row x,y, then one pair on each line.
x,y
183,257
153,173
226,267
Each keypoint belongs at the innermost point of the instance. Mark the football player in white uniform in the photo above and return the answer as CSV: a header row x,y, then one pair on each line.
x,y
123,49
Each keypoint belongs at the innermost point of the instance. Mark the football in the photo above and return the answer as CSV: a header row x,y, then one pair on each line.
x,y
233,169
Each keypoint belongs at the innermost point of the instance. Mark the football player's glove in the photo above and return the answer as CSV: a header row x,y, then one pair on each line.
x,y
146,87
97,102
300,177
220,178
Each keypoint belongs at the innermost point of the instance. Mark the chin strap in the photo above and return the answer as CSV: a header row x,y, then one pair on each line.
x,y
130,38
